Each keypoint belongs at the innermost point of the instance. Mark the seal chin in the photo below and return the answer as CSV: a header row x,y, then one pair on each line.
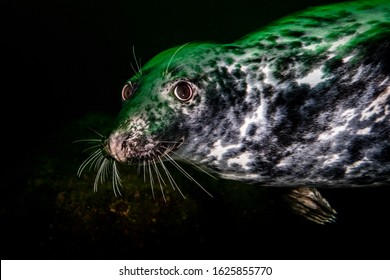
x,y
129,150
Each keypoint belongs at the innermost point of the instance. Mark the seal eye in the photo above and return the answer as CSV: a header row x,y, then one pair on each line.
x,y
183,91
127,91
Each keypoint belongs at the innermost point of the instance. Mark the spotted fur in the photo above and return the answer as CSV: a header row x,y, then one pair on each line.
x,y
304,101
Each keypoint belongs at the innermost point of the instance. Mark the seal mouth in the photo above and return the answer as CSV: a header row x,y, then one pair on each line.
x,y
130,151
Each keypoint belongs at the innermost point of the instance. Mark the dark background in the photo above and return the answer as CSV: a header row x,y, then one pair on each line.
x,y
64,64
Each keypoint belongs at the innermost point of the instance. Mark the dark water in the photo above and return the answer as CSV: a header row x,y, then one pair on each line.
x,y
66,62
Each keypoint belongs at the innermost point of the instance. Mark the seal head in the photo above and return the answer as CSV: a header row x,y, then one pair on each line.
x,y
159,105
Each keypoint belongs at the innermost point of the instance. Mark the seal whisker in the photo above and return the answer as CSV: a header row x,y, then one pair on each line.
x,y
175,69
136,62
151,180
108,169
132,67
170,60
158,173
116,179
97,162
159,179
99,134
90,141
195,165
89,160
92,147
185,173
99,175
140,66
171,179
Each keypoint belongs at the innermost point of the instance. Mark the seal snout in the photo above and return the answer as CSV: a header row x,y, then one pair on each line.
x,y
113,146
128,149
125,148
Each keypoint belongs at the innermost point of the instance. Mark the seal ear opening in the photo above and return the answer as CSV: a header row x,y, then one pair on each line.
x,y
309,203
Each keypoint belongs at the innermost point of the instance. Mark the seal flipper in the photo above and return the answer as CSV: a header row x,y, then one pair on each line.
x,y
309,203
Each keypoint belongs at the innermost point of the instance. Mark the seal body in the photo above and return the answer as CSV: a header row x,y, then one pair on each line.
x,y
304,101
